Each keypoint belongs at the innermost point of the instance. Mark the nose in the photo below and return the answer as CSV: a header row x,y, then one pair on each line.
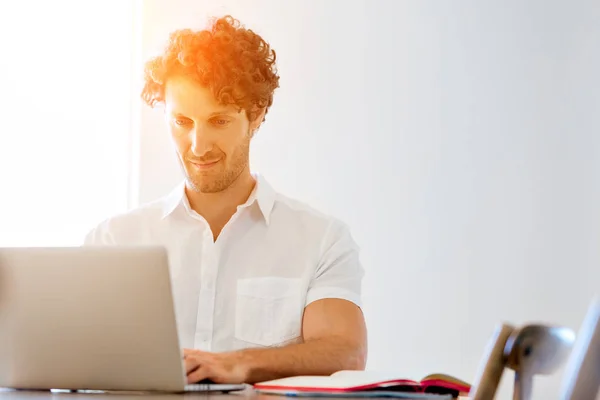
x,y
201,143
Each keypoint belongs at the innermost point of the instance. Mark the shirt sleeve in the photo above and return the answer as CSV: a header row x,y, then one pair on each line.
x,y
339,273
99,236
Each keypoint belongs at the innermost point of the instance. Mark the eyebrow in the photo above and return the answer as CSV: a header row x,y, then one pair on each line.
x,y
213,114
221,112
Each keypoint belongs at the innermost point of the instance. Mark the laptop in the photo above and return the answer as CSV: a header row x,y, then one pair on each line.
x,y
90,318
582,373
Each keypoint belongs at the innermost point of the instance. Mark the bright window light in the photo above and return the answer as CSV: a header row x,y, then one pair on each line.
x,y
65,117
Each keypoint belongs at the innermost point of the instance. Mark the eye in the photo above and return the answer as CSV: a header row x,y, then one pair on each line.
x,y
182,121
220,122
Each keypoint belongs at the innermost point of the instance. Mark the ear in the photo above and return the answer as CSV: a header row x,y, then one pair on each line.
x,y
258,119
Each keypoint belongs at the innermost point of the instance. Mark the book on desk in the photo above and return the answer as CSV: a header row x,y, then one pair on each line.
x,y
366,384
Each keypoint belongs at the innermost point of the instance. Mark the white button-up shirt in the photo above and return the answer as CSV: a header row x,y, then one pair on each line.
x,y
250,286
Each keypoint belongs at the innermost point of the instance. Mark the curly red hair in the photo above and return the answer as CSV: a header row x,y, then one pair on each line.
x,y
235,63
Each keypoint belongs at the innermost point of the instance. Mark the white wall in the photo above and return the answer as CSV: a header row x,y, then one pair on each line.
x,y
64,118
460,141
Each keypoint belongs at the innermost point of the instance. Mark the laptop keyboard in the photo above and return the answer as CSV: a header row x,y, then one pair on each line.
x,y
212,387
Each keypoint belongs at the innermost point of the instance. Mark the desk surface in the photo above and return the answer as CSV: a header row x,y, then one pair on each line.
x,y
248,394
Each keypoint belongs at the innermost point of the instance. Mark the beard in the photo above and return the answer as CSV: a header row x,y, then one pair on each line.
x,y
223,176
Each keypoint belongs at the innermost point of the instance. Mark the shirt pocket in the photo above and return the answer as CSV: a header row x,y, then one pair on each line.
x,y
268,310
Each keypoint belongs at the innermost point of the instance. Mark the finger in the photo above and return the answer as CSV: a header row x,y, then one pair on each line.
x,y
191,363
203,372
190,352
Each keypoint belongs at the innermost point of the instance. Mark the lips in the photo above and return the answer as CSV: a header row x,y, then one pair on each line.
x,y
204,165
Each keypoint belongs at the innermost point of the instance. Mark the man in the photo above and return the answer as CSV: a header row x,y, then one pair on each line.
x,y
265,286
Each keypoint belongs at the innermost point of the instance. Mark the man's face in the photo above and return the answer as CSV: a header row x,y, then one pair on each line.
x,y
213,141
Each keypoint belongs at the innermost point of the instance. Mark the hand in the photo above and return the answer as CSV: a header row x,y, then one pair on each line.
x,y
218,367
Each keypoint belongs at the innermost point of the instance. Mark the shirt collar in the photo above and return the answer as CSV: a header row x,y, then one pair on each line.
x,y
263,194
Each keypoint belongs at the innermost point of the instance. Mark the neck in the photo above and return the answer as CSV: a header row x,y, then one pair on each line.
x,y
218,208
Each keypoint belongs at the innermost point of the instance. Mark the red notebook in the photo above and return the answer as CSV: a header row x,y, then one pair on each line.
x,y
362,381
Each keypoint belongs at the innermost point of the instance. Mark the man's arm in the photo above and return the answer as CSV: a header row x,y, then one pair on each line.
x,y
335,338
